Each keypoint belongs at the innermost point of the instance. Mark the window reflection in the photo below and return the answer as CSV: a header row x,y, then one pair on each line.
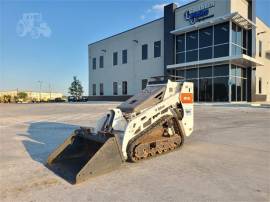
x,y
212,83
191,56
221,33
221,89
205,53
221,50
205,72
192,40
191,73
206,37
205,91
180,43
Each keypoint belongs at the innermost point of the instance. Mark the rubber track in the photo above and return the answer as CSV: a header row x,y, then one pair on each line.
x,y
136,140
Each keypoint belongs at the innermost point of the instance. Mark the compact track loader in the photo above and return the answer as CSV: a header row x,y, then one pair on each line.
x,y
151,123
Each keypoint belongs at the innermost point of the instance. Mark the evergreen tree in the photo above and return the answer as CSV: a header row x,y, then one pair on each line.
x,y
76,88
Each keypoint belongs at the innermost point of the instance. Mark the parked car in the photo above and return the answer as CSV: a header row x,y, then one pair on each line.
x,y
59,99
72,99
84,99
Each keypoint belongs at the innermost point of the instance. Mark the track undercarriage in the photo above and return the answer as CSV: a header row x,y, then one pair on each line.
x,y
163,136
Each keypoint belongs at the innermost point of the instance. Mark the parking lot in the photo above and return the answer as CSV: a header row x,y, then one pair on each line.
x,y
227,158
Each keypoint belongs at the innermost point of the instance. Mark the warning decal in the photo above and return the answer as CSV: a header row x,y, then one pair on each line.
x,y
186,98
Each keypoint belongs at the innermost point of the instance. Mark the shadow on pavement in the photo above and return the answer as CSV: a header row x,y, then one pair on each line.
x,y
42,138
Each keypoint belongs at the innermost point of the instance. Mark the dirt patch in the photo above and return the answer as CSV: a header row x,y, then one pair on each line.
x,y
15,192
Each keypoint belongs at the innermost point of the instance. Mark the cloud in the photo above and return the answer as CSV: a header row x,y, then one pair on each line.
x,y
156,11
158,7
32,24
142,17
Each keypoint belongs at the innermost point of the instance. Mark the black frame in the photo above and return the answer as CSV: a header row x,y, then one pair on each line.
x,y
144,52
115,58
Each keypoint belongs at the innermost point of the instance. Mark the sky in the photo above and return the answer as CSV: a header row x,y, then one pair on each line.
x,y
52,48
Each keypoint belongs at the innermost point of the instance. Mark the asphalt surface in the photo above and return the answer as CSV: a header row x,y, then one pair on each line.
x,y
227,158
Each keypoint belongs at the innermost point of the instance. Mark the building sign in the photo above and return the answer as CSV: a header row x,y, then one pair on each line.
x,y
197,15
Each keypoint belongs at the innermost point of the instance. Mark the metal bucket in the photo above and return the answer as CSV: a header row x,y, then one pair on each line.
x,y
85,155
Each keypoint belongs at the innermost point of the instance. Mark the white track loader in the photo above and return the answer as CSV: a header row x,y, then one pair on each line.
x,y
151,123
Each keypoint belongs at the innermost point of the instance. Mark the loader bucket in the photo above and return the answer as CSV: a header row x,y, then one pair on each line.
x,y
82,157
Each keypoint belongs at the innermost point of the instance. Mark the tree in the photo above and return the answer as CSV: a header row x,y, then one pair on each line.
x,y
22,95
76,88
7,98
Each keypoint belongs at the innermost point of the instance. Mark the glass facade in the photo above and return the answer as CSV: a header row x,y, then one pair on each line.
x,y
239,40
238,81
207,43
212,83
211,42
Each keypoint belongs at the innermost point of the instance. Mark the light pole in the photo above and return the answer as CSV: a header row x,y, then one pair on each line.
x,y
40,84
50,90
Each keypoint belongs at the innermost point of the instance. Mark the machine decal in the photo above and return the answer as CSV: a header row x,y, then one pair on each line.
x,y
186,98
188,112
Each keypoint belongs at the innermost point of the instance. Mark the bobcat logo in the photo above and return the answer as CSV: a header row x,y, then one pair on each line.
x,y
33,24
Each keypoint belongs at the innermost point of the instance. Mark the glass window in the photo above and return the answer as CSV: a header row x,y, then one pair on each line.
x,y
239,89
192,40
233,70
260,85
124,87
115,88
234,33
101,90
244,73
191,56
233,88
191,73
244,92
221,50
144,52
244,41
195,89
206,37
157,49
180,73
221,70
205,91
236,50
94,62
101,61
205,53
180,58
124,56
221,33
238,71
205,71
94,89
239,36
180,43
221,89
115,58
144,83
260,48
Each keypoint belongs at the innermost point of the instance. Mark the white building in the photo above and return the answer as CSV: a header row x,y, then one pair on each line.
x,y
220,45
